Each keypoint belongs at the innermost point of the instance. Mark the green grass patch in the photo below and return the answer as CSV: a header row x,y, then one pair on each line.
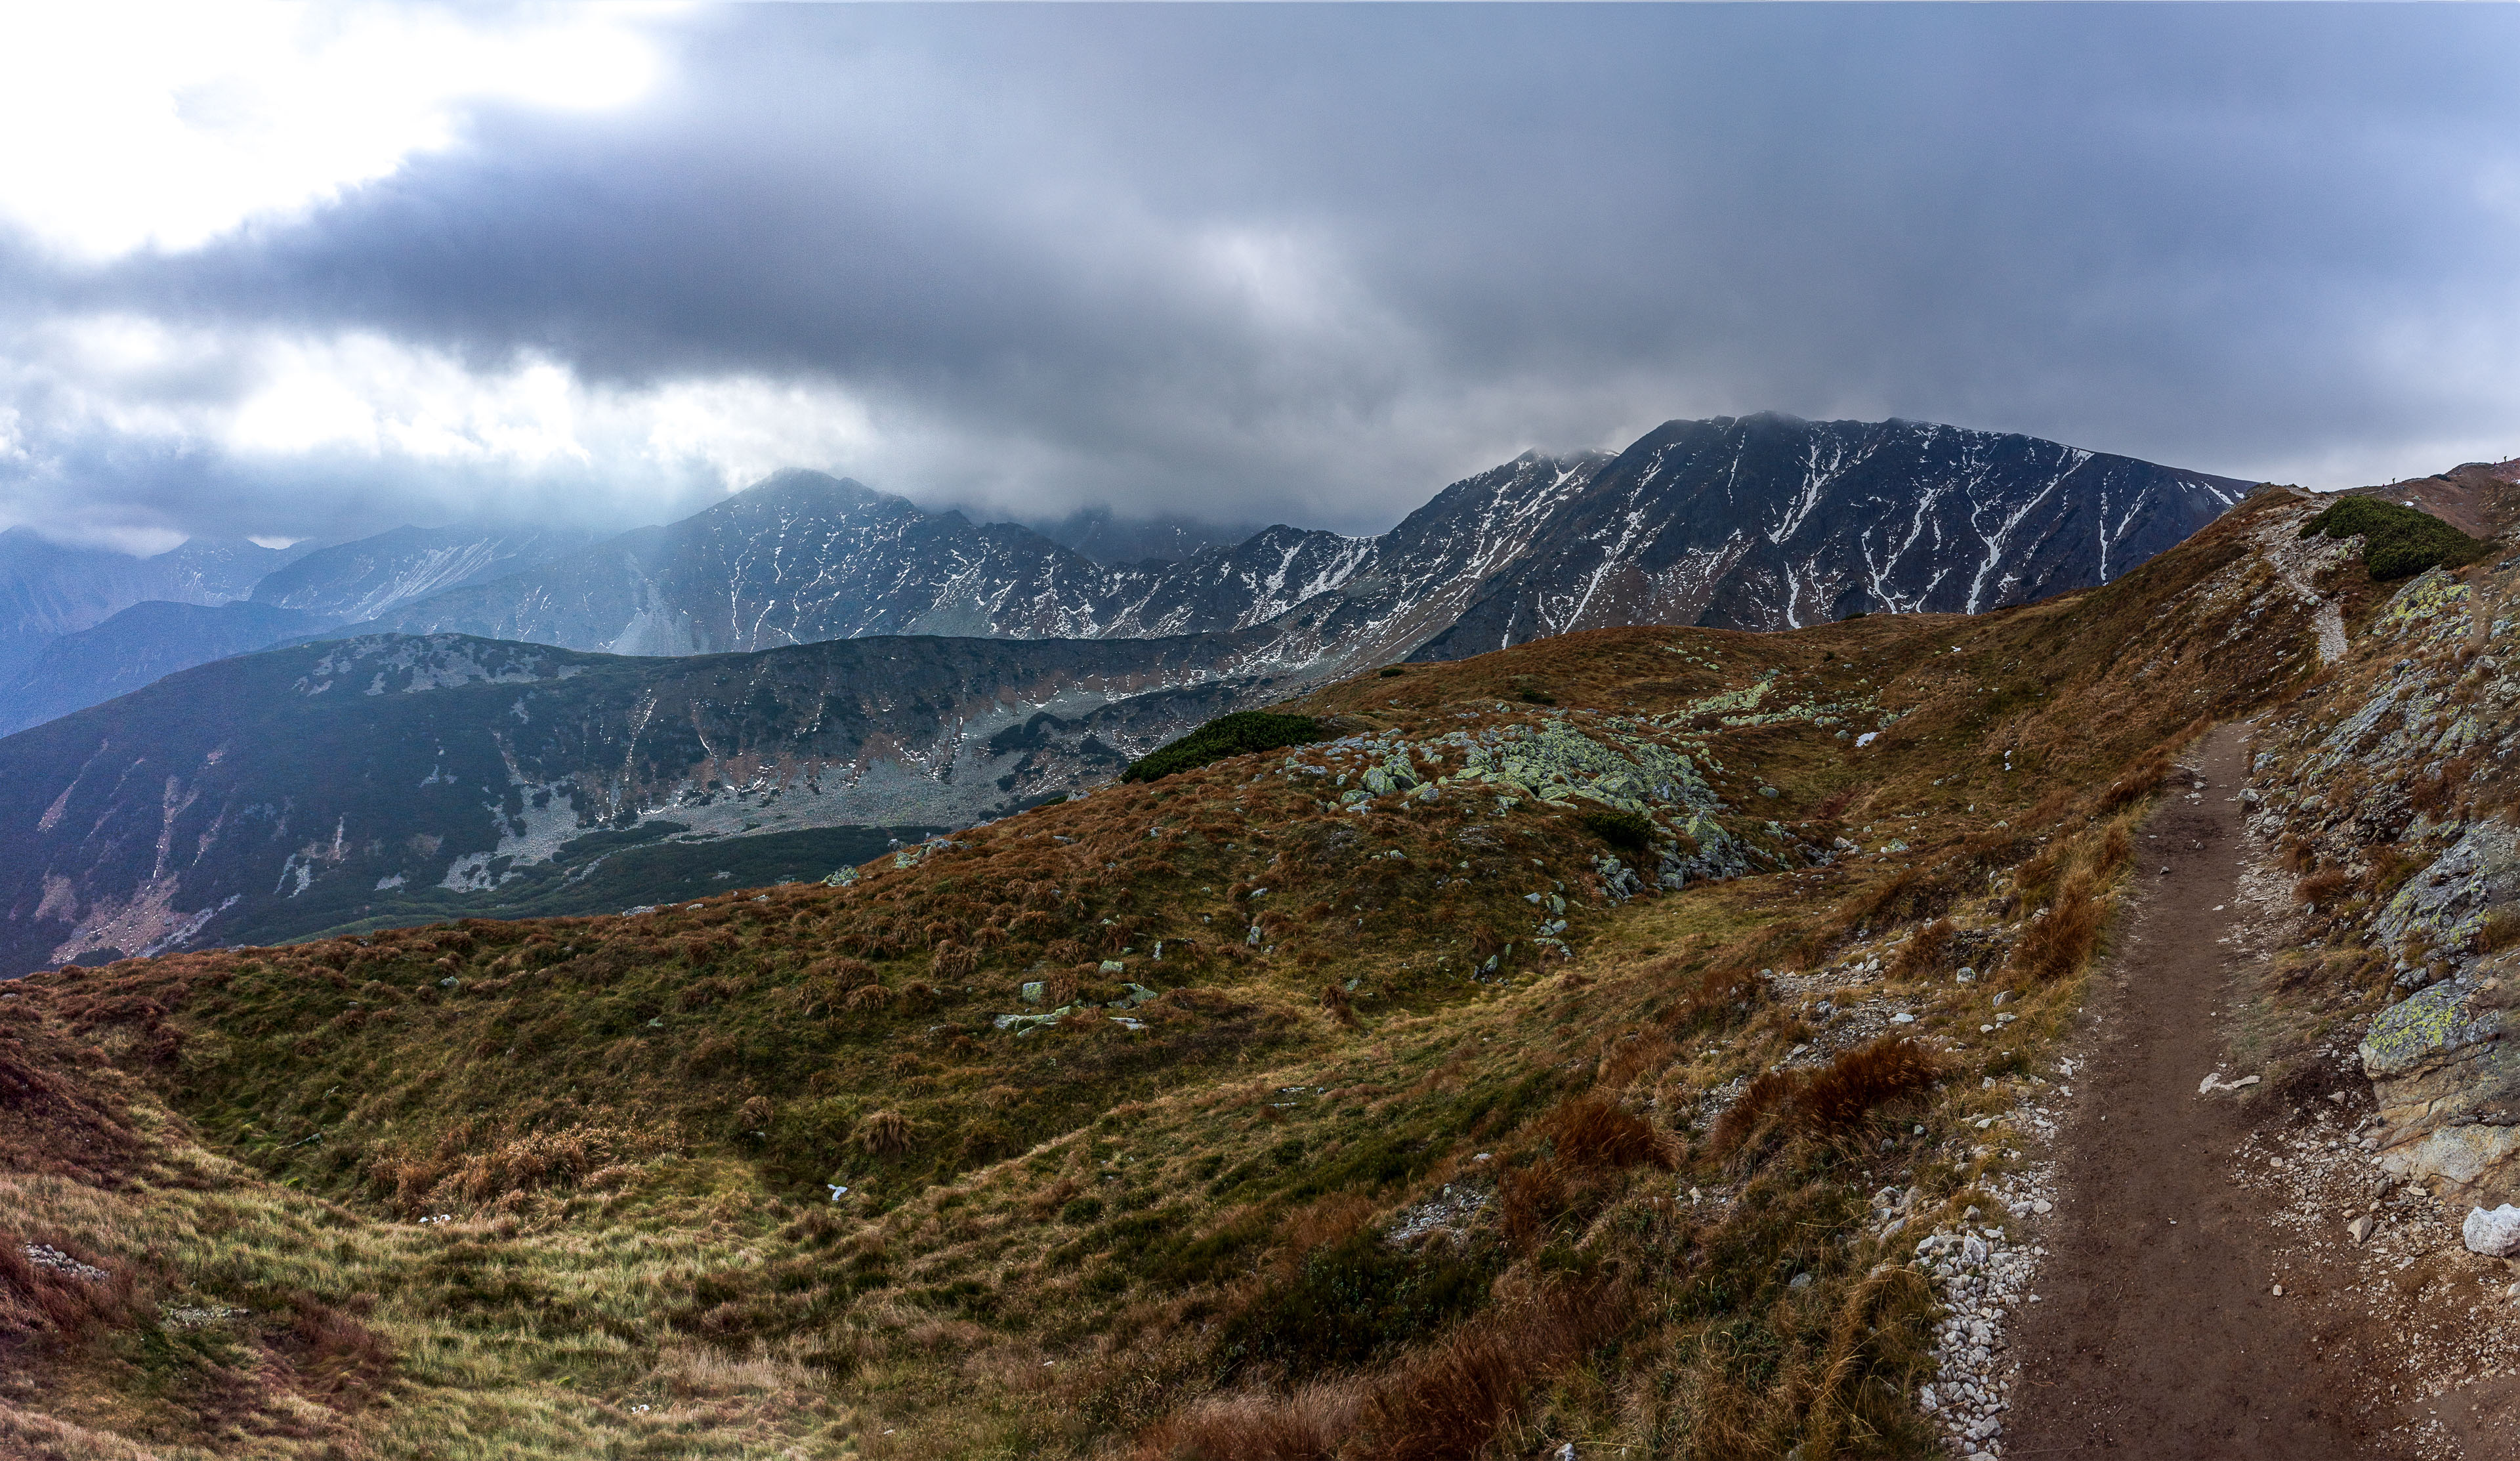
x,y
1353,1303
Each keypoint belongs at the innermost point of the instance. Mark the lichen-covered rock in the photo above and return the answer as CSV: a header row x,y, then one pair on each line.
x,y
1616,762
2432,603
2424,1029
1556,758
2445,905
1712,853
2447,1075
1619,881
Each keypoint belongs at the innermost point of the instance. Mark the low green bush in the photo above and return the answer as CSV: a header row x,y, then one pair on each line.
x,y
2398,542
1351,1304
1238,734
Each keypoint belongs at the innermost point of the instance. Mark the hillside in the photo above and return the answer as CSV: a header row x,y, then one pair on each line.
x,y
396,779
1638,1039
136,648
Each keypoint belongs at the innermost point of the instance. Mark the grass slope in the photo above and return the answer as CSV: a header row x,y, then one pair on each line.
x,y
601,872
1430,1132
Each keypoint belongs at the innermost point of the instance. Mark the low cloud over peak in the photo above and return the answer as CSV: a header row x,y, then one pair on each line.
x,y
1235,265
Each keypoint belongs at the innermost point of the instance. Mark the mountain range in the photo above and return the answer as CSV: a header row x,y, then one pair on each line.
x,y
1751,522
489,724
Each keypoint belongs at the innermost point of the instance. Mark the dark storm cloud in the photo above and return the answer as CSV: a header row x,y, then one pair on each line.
x,y
1310,263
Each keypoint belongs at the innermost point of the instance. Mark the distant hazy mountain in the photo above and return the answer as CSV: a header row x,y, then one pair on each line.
x,y
293,593
48,591
800,558
376,576
1109,540
142,644
396,778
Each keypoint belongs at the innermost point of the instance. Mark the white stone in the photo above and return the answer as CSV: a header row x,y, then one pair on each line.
x,y
2495,1234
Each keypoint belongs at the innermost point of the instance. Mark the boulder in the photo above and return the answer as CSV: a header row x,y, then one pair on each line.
x,y
2447,1075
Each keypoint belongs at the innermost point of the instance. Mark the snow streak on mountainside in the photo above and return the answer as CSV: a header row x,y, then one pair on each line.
x,y
1772,522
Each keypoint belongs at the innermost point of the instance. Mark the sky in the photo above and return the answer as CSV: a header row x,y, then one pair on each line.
x,y
296,272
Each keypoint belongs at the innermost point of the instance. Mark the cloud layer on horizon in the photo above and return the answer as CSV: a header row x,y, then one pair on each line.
x,y
1296,264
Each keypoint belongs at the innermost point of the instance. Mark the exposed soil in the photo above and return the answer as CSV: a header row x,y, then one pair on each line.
x,y
2158,1333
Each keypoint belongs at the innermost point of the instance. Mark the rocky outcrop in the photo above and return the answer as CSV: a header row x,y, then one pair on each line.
x,y
1650,769
2384,781
2446,1068
2447,905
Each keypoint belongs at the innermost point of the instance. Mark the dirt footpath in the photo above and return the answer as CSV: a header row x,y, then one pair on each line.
x,y
2158,1335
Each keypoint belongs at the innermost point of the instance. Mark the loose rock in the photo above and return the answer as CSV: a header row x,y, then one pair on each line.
x,y
2495,1234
